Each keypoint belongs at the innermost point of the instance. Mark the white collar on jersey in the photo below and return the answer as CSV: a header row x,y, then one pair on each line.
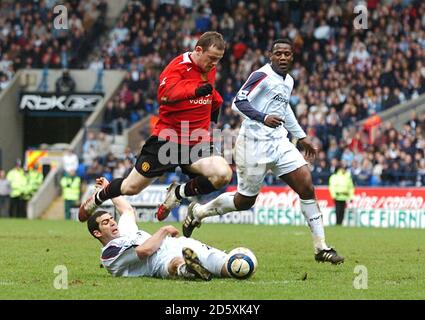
x,y
186,58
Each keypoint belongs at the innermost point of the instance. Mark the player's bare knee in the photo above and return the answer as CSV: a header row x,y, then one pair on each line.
x,y
226,177
222,178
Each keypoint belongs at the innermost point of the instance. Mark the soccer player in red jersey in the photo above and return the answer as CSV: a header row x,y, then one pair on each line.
x,y
188,103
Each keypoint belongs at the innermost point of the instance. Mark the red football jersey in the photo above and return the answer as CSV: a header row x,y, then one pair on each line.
x,y
183,114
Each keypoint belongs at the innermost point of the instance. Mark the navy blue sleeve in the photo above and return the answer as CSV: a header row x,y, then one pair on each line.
x,y
111,252
241,100
245,107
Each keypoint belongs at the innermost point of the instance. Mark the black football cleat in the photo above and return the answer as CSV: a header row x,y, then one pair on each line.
x,y
190,222
328,255
194,266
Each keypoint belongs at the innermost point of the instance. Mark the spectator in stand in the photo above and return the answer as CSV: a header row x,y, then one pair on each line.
x,y
120,170
94,171
321,173
65,84
408,168
128,155
109,117
103,144
70,161
421,173
110,162
90,143
365,173
389,99
89,155
122,118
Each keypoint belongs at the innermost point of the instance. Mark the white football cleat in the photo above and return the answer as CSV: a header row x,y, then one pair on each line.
x,y
169,204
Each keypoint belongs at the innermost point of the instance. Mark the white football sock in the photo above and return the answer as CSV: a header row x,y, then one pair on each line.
x,y
219,206
313,216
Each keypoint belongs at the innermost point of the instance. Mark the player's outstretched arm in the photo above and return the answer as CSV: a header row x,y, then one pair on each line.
x,y
120,203
150,246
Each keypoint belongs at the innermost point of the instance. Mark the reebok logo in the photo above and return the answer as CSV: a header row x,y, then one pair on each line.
x,y
280,98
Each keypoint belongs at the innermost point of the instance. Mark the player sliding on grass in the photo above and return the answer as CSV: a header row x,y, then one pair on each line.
x,y
130,252
188,103
263,145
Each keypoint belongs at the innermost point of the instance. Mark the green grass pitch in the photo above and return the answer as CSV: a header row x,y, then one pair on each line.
x,y
394,260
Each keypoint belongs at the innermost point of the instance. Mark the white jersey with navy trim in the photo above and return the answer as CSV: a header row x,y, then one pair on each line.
x,y
266,93
119,256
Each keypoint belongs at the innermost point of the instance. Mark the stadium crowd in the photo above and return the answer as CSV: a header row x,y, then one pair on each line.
x,y
28,38
342,75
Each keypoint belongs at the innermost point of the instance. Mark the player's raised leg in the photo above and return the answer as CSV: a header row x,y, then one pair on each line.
x,y
213,173
224,203
250,179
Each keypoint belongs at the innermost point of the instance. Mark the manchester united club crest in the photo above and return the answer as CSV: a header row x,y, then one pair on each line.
x,y
145,166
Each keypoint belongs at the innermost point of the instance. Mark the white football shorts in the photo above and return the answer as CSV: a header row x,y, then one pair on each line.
x,y
157,264
211,258
255,158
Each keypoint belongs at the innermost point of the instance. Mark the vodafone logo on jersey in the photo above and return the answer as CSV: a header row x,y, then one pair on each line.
x,y
201,101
